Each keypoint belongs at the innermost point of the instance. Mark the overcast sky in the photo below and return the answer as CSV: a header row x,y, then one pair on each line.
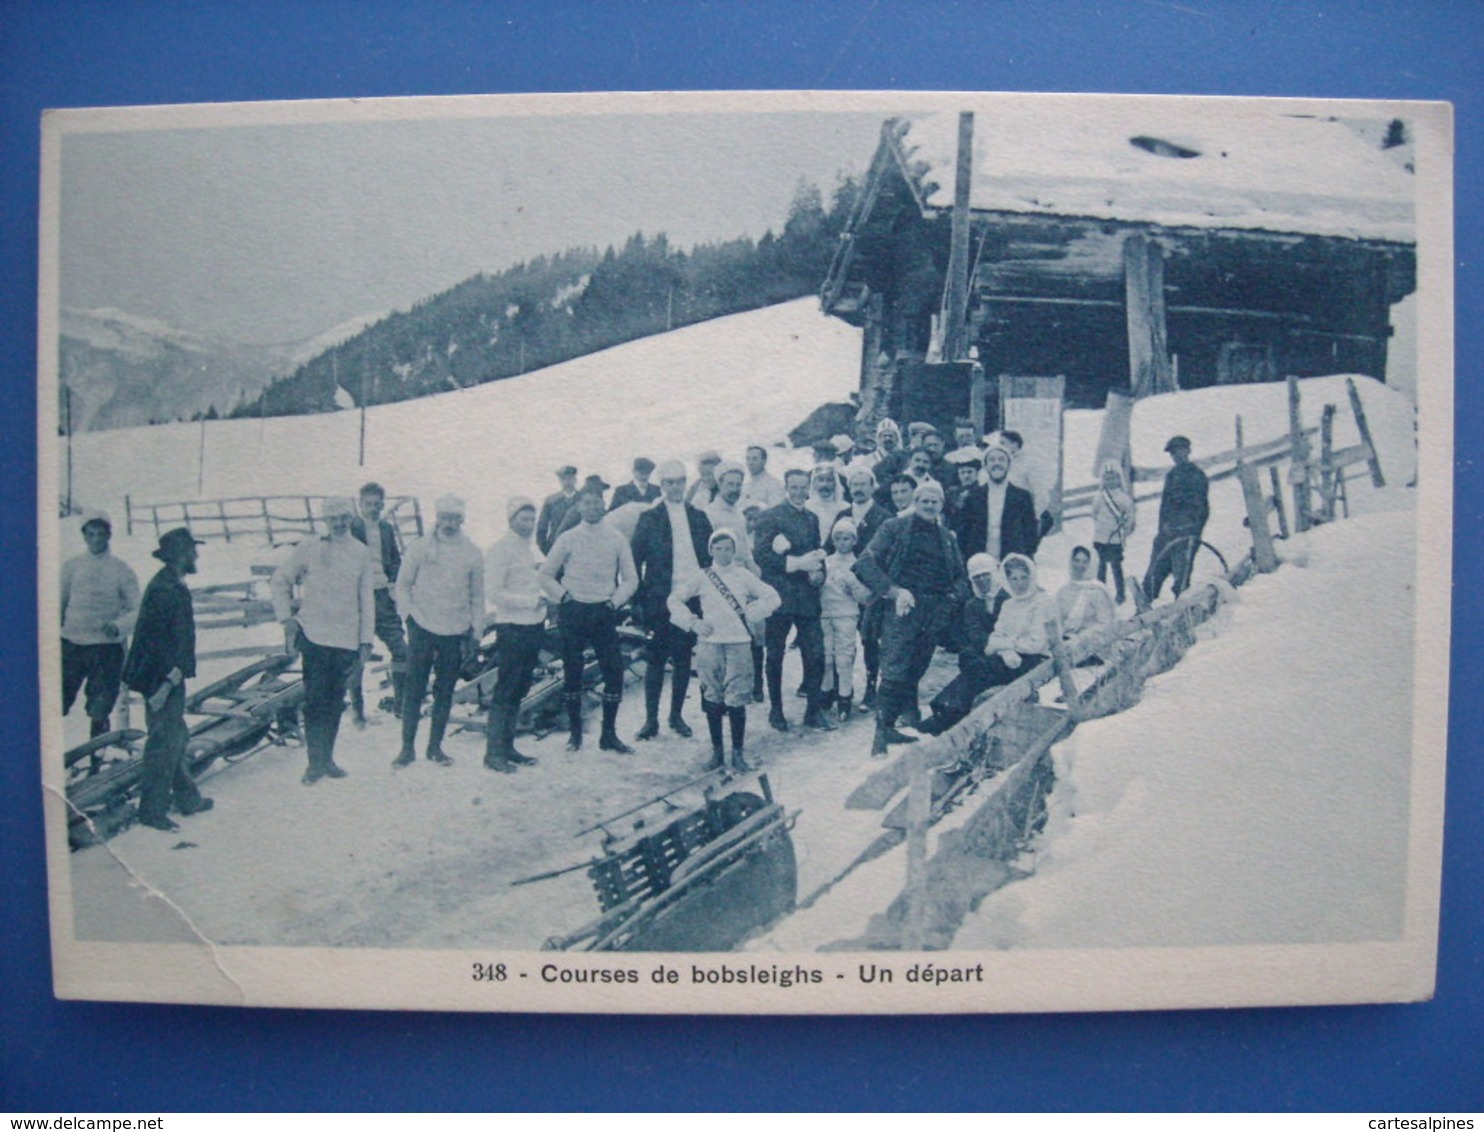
x,y
278,233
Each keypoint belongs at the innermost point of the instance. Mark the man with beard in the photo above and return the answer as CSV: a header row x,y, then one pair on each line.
x,y
332,629
789,553
824,498
914,565
867,515
727,511
670,551
161,659
996,517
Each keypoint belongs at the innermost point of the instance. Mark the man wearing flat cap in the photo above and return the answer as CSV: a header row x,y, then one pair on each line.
x,y
1184,507
100,597
639,490
380,538
555,508
670,552
332,628
161,660
440,591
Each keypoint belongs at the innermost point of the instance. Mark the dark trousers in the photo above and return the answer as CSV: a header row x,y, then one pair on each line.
x,y
1176,562
667,643
1110,555
164,776
389,632
326,673
592,624
977,675
908,643
811,649
443,656
101,667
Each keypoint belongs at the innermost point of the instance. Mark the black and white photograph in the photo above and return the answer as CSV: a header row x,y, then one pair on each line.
x,y
748,553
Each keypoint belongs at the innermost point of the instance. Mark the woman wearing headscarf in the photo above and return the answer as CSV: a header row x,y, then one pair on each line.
x,y
1113,520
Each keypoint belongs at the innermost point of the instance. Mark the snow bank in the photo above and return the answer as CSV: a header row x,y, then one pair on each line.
x,y
1259,792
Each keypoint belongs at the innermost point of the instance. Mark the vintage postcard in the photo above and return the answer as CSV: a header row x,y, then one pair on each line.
x,y
778,552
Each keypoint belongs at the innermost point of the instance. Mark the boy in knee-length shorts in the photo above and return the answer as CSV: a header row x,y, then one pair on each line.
x,y
840,602
734,605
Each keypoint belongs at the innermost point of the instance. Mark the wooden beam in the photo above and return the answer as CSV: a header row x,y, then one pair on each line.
x,y
1257,520
1298,474
1377,479
956,300
1144,308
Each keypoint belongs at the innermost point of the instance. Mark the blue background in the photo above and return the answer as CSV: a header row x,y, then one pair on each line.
x,y
57,1056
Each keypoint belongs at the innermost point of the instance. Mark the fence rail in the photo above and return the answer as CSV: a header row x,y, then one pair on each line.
x,y
278,518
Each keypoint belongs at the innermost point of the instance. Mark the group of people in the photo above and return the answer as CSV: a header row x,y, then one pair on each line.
x,y
893,553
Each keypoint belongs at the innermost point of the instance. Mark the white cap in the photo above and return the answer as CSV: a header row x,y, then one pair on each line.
x,y
336,505
516,504
980,564
670,470
842,443
448,505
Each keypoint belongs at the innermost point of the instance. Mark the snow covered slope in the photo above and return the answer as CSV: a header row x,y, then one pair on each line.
x,y
723,384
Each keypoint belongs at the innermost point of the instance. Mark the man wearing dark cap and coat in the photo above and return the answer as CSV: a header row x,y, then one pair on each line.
x,y
640,490
1184,507
555,508
161,660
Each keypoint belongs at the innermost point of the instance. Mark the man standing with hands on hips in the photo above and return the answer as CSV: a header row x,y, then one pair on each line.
x,y
332,629
162,659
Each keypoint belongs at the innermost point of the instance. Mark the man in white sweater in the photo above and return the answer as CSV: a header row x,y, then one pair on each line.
x,y
332,628
734,605
440,591
100,599
519,610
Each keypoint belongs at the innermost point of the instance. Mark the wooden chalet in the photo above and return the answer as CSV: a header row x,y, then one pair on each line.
x,y
1139,245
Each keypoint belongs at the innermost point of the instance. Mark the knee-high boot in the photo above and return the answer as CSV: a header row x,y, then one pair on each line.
x,y
737,716
609,740
573,702
714,714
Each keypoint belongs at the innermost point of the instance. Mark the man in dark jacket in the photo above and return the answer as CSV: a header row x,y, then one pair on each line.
x,y
670,548
997,518
386,559
868,516
638,491
554,509
161,660
914,565
788,551
1184,507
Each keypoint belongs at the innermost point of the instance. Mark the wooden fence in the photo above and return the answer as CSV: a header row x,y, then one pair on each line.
x,y
278,518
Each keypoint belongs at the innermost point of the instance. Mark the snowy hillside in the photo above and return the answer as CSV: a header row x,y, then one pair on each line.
x,y
724,384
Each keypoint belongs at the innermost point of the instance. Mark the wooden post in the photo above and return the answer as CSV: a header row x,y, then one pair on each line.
x,y
309,514
1063,664
221,507
267,520
957,298
978,405
1239,438
128,517
1144,307
1298,450
1326,463
1263,553
1377,479
1278,501
919,809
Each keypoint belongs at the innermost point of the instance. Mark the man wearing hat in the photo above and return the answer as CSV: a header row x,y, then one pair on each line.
x,y
380,538
440,592
518,608
161,659
640,490
670,551
891,456
996,517
914,565
1184,507
572,518
332,629
867,515
100,597
728,510
554,510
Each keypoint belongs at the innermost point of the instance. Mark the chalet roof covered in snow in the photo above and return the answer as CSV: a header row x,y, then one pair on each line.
x,y
1199,163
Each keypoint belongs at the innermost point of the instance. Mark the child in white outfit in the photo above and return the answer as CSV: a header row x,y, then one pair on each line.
x,y
840,602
